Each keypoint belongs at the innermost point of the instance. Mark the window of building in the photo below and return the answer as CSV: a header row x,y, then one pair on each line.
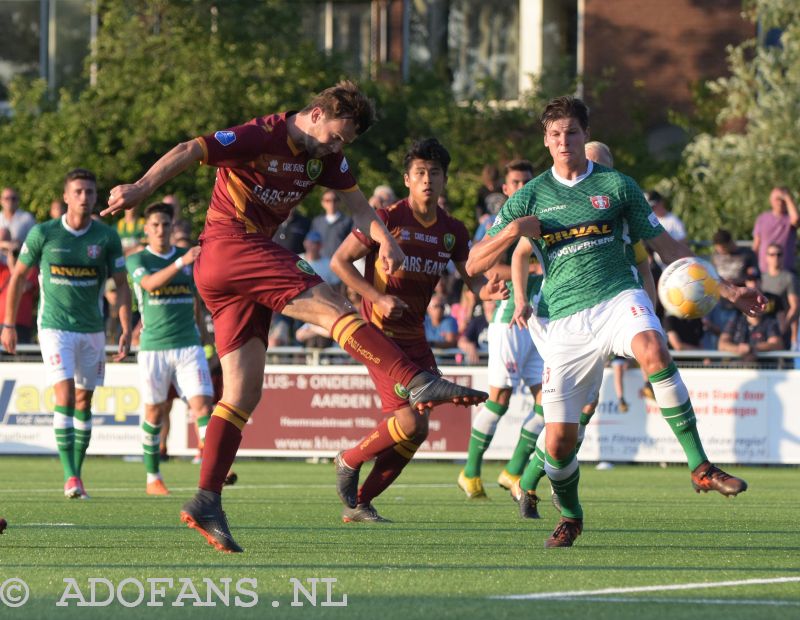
x,y
344,28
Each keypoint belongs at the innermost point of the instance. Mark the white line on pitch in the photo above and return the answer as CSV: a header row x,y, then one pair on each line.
x,y
664,588
227,489
684,601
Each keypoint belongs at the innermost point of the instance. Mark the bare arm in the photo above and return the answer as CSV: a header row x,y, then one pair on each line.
x,y
161,277
16,286
342,265
648,282
124,301
493,288
487,252
791,209
520,265
369,223
170,165
677,344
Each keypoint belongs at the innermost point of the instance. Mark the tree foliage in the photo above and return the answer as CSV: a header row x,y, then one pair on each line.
x,y
726,175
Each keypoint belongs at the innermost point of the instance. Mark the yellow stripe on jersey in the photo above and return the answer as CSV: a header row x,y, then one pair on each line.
x,y
239,193
380,281
639,252
205,150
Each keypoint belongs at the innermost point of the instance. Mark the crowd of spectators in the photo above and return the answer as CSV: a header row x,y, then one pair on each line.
x,y
455,320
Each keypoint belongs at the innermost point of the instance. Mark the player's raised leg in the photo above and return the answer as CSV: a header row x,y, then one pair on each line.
x,y
672,397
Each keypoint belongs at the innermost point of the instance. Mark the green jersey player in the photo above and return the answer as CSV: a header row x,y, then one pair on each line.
x,y
513,359
75,255
169,349
576,217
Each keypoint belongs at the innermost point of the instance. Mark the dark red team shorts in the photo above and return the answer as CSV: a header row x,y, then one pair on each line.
x,y
243,279
419,352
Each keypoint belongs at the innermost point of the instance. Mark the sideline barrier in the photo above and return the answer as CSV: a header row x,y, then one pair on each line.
x,y
744,416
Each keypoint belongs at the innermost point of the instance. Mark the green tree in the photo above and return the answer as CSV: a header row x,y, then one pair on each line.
x,y
726,176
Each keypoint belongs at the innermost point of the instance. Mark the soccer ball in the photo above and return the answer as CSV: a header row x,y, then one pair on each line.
x,y
689,288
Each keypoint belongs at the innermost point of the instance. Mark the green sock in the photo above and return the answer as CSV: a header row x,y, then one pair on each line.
x,y
526,443
585,417
534,471
676,408
151,435
83,435
202,423
564,476
65,439
480,437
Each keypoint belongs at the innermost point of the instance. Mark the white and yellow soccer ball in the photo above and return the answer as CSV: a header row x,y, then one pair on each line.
x,y
689,288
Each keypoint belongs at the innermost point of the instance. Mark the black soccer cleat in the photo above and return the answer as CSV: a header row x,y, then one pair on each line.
x,y
707,477
204,513
565,533
427,390
364,513
527,500
346,481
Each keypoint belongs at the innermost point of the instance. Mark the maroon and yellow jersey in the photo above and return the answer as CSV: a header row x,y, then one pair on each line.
x,y
262,175
428,249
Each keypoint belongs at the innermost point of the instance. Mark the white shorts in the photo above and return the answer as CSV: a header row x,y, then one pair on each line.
x,y
73,355
576,347
186,367
512,357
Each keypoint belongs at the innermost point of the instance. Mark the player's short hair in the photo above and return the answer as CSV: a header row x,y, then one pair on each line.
x,y
602,153
565,107
345,100
79,174
429,149
159,207
518,165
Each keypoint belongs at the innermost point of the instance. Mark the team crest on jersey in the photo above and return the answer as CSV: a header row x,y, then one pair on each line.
x,y
449,241
225,137
344,166
600,202
314,168
305,267
405,235
400,391
93,251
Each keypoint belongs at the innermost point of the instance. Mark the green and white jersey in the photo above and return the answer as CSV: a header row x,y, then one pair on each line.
x,y
168,320
587,226
504,310
73,268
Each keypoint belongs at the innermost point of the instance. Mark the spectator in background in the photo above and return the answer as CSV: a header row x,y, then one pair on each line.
x,y
747,336
24,320
57,209
17,221
131,231
382,197
333,225
475,338
172,200
313,256
778,225
292,232
671,222
441,330
491,183
731,262
683,334
783,284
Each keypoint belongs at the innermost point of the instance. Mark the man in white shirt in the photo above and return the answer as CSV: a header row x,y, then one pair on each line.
x,y
17,221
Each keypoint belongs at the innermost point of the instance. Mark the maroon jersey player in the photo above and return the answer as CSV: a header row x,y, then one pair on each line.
x,y
264,169
396,303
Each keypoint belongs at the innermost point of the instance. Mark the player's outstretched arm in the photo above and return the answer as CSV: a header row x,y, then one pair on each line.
x,y
748,300
175,161
485,254
163,276
369,223
520,267
484,288
16,286
342,265
124,300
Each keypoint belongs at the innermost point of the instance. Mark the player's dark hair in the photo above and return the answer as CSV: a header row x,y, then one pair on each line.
x,y
429,149
722,237
345,100
159,207
518,165
565,107
79,174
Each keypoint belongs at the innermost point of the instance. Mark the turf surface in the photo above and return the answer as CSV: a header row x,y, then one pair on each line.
x,y
443,557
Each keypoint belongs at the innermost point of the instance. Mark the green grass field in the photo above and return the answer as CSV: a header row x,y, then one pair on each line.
x,y
443,557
